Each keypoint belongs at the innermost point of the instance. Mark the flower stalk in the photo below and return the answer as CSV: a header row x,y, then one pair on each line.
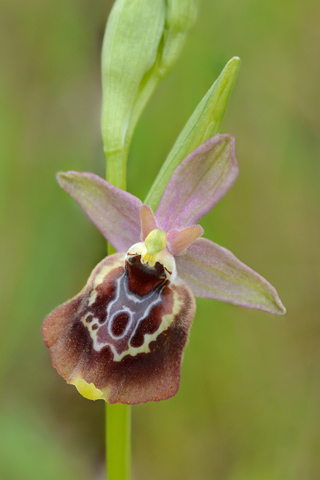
x,y
118,441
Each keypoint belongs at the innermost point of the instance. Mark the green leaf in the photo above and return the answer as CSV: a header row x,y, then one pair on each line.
x,y
203,124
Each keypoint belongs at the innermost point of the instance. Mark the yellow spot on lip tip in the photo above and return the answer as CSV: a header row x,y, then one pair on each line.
x,y
87,390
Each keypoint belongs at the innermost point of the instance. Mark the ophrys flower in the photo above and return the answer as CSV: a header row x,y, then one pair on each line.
x,y
122,337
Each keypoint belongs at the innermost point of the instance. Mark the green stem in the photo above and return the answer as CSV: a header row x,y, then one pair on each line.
x,y
118,417
116,169
118,434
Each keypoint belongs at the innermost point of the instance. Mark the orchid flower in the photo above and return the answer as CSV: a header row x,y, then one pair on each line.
x,y
122,337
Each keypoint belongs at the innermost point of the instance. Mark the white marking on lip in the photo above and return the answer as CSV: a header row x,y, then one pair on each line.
x,y
111,321
100,277
113,310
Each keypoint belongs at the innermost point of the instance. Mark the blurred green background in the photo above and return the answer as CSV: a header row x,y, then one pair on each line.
x,y
248,405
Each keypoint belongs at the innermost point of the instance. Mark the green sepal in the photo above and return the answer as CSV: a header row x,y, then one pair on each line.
x,y
203,124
